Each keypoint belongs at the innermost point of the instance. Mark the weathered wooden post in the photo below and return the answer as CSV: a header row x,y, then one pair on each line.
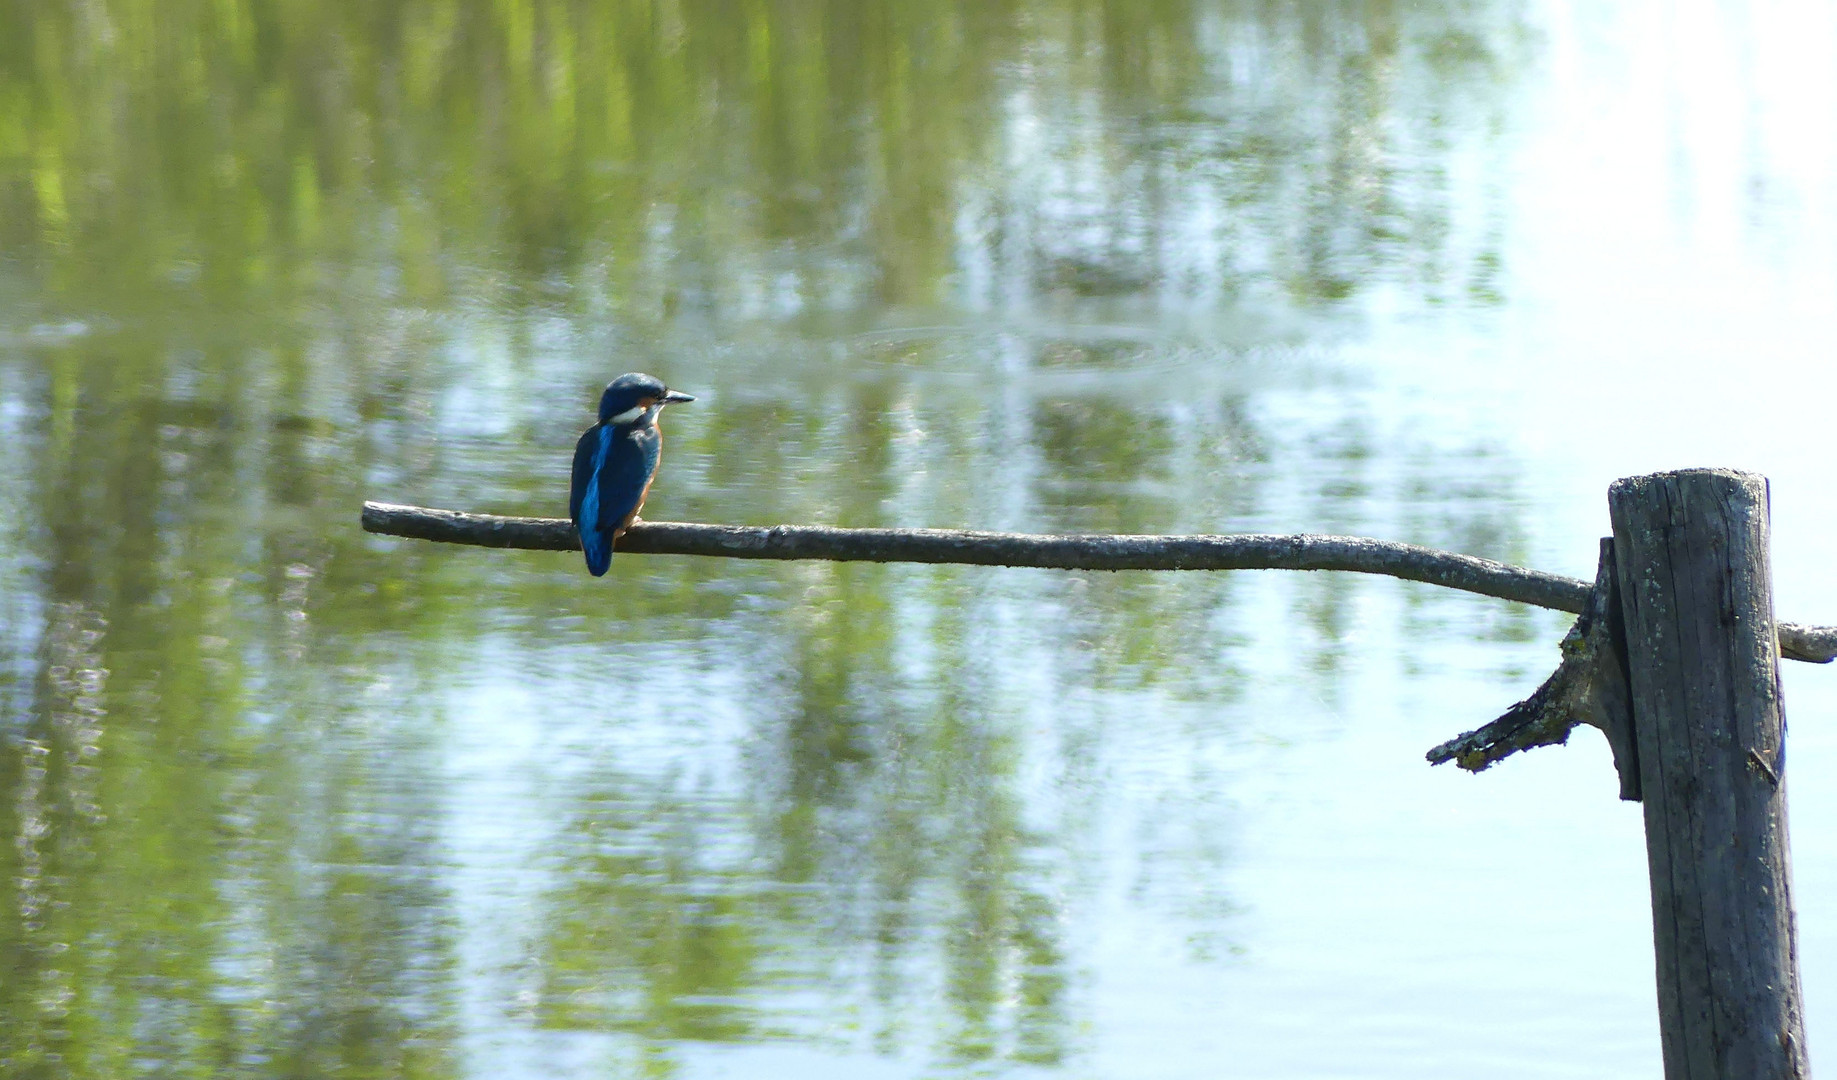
x,y
1703,664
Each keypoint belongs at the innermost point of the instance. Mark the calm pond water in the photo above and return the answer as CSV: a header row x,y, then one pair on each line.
x,y
283,799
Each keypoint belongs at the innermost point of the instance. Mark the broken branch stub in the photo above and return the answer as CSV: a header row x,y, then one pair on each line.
x,y
1588,687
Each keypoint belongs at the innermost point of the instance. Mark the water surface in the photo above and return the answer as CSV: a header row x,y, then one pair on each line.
x,y
286,799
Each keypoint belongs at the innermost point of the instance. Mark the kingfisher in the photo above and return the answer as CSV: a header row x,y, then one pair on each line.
x,y
615,461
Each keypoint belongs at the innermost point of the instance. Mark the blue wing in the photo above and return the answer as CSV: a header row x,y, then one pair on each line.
x,y
612,470
583,493
583,471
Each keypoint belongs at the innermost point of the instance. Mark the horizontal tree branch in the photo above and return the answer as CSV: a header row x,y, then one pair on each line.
x,y
1243,551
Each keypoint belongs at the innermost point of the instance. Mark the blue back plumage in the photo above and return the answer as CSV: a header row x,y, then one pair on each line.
x,y
613,466
614,463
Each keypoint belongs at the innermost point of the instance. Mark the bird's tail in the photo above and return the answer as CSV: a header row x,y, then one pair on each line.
x,y
598,548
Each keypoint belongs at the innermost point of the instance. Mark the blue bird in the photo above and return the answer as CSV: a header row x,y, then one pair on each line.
x,y
614,463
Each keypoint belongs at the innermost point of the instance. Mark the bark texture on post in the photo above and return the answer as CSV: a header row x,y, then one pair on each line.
x,y
1703,663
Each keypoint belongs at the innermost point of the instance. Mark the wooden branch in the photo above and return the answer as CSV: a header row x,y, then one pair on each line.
x,y
1244,551
1247,551
1812,644
1588,687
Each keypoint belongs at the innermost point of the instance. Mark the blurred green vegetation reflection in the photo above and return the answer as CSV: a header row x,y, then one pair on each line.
x,y
1013,264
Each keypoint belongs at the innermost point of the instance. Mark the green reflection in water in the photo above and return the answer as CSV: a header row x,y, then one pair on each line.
x,y
263,260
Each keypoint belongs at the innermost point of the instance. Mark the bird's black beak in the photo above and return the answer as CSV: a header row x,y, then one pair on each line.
x,y
672,397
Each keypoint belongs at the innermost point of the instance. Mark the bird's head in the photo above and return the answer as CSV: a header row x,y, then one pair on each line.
x,y
636,397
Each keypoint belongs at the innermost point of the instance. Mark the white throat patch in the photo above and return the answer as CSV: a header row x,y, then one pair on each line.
x,y
628,415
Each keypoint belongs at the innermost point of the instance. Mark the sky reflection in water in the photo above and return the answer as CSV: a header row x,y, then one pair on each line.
x,y
283,799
